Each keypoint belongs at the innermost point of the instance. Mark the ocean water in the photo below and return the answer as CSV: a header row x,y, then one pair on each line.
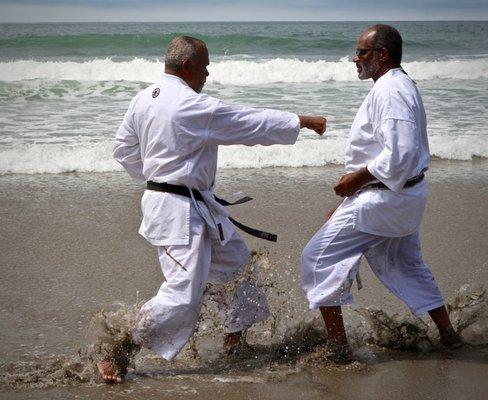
x,y
65,87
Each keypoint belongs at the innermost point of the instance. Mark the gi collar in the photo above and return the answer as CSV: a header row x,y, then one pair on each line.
x,y
174,78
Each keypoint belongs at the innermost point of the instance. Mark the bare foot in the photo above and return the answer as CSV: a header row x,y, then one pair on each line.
x,y
108,372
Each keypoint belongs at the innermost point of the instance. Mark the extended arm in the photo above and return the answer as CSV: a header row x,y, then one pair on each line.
x,y
231,124
317,124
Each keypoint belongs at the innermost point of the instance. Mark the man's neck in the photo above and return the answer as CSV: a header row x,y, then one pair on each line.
x,y
175,73
172,72
384,69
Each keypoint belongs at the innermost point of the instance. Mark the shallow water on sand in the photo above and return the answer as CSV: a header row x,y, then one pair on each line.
x,y
269,355
69,248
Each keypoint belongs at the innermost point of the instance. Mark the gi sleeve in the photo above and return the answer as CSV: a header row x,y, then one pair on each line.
x,y
126,148
250,126
398,160
398,133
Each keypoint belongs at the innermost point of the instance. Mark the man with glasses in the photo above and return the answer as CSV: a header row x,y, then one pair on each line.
x,y
384,194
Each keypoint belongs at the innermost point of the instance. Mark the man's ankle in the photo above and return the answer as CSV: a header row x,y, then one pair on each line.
x,y
232,340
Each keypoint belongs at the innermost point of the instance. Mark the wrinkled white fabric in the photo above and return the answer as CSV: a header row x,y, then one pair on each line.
x,y
331,259
389,137
167,321
174,138
171,134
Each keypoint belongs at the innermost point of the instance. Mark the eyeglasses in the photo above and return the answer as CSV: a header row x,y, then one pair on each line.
x,y
362,52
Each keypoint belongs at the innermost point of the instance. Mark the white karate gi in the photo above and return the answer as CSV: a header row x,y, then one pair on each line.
x,y
171,134
389,137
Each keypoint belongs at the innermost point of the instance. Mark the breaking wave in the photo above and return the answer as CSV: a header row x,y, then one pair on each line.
x,y
96,157
234,72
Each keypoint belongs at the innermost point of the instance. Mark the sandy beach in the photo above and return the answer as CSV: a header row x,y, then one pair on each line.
x,y
70,246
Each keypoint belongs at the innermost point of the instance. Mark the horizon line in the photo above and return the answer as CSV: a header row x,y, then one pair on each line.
x,y
208,21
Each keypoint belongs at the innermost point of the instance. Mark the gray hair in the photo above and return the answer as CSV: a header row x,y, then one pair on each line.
x,y
180,49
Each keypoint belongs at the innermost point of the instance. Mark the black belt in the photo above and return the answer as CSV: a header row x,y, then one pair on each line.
x,y
184,191
409,183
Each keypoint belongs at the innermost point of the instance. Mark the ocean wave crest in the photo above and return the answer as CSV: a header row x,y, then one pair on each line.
x,y
96,157
233,72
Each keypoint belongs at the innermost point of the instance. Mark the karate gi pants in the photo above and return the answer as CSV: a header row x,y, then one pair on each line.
x,y
167,321
331,259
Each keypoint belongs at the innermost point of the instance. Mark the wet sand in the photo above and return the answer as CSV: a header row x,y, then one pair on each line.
x,y
69,245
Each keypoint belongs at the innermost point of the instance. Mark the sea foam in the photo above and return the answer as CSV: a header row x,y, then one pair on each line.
x,y
96,157
233,72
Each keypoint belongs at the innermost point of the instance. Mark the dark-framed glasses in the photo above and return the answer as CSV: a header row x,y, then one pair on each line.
x,y
363,52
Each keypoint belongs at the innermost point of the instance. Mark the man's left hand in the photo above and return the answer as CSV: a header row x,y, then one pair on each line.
x,y
352,182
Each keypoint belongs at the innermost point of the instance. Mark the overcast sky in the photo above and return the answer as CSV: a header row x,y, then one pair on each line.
x,y
243,10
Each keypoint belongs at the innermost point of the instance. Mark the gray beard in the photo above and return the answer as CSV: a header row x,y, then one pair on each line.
x,y
367,73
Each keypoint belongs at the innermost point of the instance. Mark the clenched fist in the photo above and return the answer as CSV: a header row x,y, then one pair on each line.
x,y
317,124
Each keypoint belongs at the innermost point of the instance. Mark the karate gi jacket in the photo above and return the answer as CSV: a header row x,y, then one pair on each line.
x,y
389,137
171,134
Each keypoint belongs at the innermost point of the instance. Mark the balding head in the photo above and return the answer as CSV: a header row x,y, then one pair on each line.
x,y
181,49
187,58
378,49
385,36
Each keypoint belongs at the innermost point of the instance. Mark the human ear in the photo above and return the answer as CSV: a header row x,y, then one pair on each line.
x,y
186,66
384,54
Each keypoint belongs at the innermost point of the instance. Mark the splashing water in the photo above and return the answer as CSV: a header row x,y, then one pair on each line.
x,y
469,314
303,343
109,335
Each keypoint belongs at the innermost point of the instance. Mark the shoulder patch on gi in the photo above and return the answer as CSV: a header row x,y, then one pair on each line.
x,y
155,93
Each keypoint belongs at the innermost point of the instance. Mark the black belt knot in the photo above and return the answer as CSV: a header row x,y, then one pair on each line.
x,y
184,191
